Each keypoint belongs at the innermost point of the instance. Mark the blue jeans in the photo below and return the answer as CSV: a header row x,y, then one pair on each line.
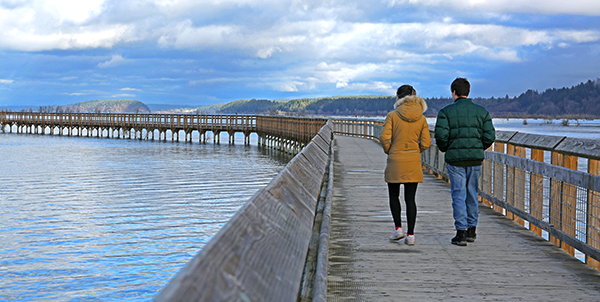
x,y
464,183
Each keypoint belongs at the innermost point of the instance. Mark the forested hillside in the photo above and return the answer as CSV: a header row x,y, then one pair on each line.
x,y
582,100
579,101
111,106
98,106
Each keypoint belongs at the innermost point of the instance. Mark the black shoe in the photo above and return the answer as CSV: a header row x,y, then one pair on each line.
x,y
471,236
460,238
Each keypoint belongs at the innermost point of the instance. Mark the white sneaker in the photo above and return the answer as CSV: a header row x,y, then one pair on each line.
x,y
397,234
410,240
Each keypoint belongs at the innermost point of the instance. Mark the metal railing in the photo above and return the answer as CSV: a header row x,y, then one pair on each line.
x,y
548,184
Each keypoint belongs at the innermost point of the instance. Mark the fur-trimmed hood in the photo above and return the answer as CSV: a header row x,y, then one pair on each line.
x,y
410,108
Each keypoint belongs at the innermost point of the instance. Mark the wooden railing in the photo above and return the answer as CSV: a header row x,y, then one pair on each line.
x,y
275,247
533,179
358,127
282,132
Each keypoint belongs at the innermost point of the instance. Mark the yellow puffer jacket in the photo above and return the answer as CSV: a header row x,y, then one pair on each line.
x,y
404,137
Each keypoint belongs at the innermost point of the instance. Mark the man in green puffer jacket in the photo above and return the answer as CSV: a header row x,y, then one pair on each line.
x,y
464,130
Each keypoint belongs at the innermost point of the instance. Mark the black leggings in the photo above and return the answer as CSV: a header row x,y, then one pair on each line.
x,y
410,191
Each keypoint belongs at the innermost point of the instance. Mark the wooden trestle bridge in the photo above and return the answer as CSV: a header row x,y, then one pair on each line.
x,y
289,133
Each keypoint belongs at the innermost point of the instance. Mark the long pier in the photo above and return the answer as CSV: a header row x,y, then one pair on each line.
x,y
319,230
507,262
532,179
284,133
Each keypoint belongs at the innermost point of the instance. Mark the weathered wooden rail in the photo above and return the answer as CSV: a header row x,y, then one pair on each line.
x,y
551,198
286,133
275,247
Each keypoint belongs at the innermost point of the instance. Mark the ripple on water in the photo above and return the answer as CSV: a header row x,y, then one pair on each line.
x,y
86,219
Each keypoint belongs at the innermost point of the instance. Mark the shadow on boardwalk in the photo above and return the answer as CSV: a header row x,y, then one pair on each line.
x,y
506,263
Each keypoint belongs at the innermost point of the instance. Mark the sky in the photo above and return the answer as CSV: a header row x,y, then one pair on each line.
x,y
203,52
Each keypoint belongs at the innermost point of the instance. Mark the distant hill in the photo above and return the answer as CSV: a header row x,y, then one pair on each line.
x,y
579,101
111,106
341,105
582,101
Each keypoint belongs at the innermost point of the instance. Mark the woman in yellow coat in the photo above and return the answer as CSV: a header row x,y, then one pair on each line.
x,y
404,137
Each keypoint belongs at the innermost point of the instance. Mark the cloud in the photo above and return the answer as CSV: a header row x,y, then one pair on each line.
x,y
3,81
75,11
288,87
123,95
184,35
230,48
551,7
372,86
114,61
40,25
23,39
336,40
75,93
324,33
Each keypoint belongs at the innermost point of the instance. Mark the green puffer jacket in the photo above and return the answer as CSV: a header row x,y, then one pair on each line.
x,y
464,130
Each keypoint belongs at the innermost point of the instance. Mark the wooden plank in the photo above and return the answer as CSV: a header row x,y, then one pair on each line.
x,y
315,156
536,141
259,255
326,131
255,257
519,185
555,198
498,190
510,181
486,179
504,136
307,174
555,232
578,178
285,189
321,143
581,147
593,219
536,197
569,205
509,263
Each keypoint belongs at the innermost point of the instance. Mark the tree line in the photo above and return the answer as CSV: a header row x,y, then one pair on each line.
x,y
581,101
577,102
95,106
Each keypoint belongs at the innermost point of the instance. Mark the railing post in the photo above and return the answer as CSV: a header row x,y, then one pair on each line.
x,y
536,195
499,178
515,181
569,206
593,218
486,179
555,198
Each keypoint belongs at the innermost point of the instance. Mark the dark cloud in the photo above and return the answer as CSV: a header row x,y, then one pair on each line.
x,y
201,52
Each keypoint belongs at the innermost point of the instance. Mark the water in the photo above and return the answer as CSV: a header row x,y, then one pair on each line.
x,y
87,219
571,128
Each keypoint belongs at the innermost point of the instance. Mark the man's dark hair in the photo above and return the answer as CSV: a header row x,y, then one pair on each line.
x,y
461,87
405,90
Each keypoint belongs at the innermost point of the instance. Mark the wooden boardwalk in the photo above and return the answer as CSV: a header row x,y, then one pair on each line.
x,y
506,263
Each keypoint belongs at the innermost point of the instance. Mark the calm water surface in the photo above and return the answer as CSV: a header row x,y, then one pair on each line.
x,y
86,219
